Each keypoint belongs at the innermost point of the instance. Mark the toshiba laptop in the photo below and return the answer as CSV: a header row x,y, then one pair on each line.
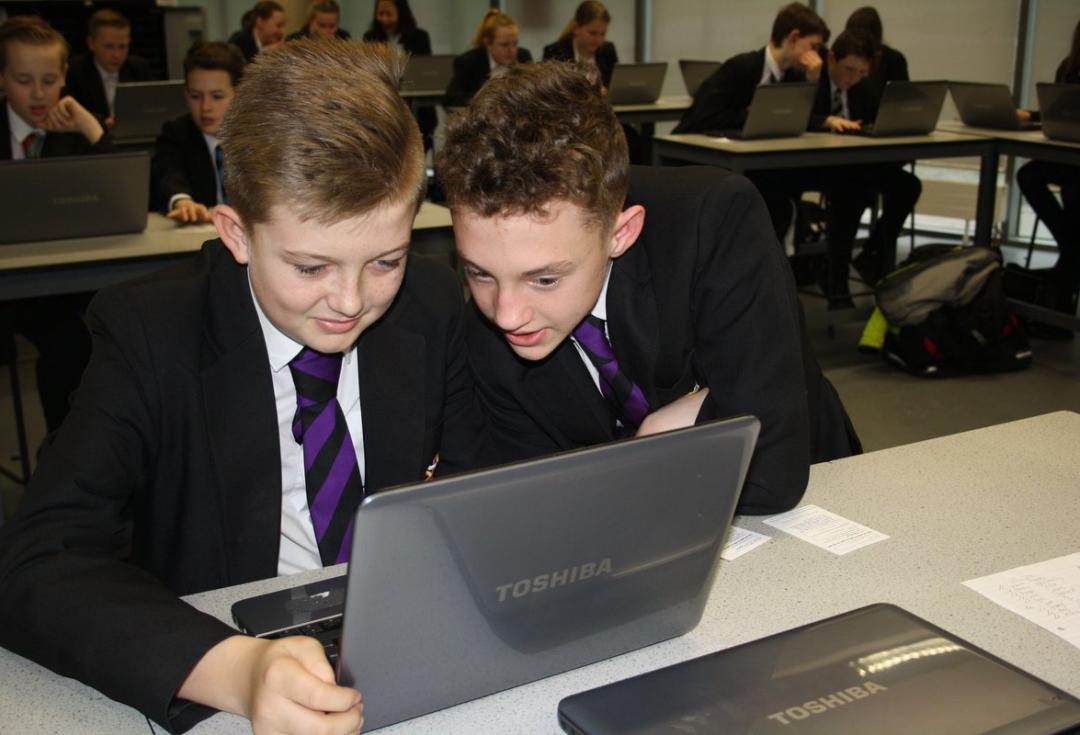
x,y
1060,106
636,84
907,108
777,111
427,73
987,106
694,73
878,669
476,583
143,107
78,196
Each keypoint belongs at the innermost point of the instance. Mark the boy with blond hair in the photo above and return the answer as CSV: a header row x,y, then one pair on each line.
x,y
237,408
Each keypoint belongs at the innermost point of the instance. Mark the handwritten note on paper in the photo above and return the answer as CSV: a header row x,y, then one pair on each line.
x,y
1047,594
740,541
825,530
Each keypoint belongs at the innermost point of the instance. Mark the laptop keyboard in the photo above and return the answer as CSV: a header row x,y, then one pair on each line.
x,y
327,632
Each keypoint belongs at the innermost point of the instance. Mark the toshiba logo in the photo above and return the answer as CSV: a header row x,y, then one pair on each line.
x,y
551,580
821,705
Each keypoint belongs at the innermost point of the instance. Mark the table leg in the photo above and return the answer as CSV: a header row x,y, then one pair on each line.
x,y
984,208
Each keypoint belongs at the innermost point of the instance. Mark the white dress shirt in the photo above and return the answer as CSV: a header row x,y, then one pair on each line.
x,y
110,80
845,112
19,130
771,68
599,311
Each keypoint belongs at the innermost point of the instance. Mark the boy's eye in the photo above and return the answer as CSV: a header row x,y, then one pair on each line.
x,y
308,270
389,264
471,271
546,281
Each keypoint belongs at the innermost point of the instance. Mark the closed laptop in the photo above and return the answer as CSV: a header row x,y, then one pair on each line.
x,y
143,107
636,84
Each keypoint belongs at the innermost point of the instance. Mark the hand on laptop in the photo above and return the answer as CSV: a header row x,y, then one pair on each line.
x,y
187,211
676,415
68,116
282,686
838,124
1024,115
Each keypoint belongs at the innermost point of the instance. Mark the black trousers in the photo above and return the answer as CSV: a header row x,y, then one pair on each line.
x,y
1061,218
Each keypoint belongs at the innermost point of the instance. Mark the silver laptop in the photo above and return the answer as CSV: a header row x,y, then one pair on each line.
x,y
473,584
636,84
143,107
878,669
1060,107
78,196
907,108
694,73
777,111
987,106
428,73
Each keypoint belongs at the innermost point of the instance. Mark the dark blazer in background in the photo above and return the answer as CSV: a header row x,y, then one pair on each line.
x,y
85,85
305,32
416,43
182,165
245,41
606,57
165,478
723,100
704,297
471,70
891,67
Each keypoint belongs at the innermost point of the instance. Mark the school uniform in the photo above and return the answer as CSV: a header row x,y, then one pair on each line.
x,y
416,43
166,479
305,32
703,298
245,41
606,58
891,66
471,70
183,164
86,84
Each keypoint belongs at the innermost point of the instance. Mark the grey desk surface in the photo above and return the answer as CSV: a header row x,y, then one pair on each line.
x,y
664,109
955,508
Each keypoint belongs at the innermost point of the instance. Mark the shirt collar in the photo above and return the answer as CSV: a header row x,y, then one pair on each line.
x,y
771,67
113,75
211,141
599,309
20,128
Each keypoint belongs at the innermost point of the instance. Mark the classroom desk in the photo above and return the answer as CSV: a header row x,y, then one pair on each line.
x,y
829,149
955,508
665,109
87,264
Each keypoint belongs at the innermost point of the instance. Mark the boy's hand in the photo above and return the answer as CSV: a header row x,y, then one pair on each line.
x,y
187,211
282,686
68,116
1024,115
676,415
839,124
811,65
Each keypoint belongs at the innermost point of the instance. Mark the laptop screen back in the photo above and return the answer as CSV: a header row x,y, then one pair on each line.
x,y
694,73
985,105
779,110
143,107
428,73
636,84
910,108
1060,107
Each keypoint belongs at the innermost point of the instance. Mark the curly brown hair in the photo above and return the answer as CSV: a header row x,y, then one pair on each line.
x,y
538,134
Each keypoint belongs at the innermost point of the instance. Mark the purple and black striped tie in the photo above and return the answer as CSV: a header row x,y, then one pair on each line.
x,y
331,473
621,392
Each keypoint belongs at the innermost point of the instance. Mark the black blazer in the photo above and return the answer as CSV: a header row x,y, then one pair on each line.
x,y
891,66
56,144
606,58
704,297
724,98
182,165
85,85
471,70
306,33
416,42
245,41
164,479
862,102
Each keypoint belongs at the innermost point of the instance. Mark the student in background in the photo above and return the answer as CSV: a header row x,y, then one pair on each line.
x,y
393,22
612,301
890,65
495,49
38,123
188,462
186,172
324,17
262,27
584,40
92,78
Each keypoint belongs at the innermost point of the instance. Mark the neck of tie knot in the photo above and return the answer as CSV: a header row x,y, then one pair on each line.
x,y
32,144
315,376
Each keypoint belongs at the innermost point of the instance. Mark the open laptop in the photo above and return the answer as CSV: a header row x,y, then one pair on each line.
x,y
473,584
428,73
143,107
907,108
1060,107
636,84
987,106
776,111
878,669
694,73
78,196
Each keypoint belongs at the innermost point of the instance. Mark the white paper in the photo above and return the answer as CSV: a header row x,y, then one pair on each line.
x,y
825,530
1047,594
740,541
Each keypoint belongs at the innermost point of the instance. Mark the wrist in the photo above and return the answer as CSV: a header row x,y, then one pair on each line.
x,y
223,677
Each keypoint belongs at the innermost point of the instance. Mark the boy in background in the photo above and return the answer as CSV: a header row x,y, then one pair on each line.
x,y
92,77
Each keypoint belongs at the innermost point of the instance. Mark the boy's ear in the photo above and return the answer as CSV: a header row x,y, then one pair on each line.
x,y
232,232
628,226
793,37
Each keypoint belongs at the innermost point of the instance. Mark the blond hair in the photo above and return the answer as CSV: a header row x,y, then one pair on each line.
x,y
492,21
32,31
586,13
326,157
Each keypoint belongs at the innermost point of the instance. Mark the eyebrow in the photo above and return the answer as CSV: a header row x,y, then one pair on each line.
x,y
561,267
316,256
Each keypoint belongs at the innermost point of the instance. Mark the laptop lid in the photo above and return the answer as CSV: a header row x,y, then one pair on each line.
x,y
877,669
143,107
694,73
985,105
779,110
636,84
78,196
428,73
909,108
1060,107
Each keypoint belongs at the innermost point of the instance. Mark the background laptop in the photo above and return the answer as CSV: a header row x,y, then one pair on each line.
x,y
636,84
987,106
907,108
777,111
428,73
143,107
477,583
80,196
694,73
1060,106
878,669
